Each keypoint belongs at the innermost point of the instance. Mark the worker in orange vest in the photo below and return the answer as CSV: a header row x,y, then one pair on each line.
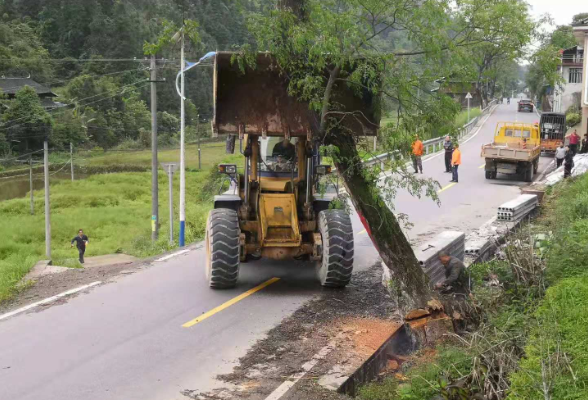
x,y
417,154
456,162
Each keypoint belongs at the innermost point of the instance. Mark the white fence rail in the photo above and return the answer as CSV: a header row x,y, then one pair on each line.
x,y
432,145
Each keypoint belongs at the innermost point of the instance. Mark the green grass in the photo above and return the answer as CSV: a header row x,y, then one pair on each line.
x,y
557,348
546,329
557,352
462,118
211,154
423,380
113,209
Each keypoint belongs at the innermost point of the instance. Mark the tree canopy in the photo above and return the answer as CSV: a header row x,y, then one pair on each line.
x,y
395,49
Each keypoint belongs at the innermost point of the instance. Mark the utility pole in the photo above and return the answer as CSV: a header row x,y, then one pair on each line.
x,y
170,168
199,150
71,160
182,242
154,164
47,208
31,185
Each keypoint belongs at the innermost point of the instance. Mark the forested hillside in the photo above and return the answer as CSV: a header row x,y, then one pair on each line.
x,y
91,54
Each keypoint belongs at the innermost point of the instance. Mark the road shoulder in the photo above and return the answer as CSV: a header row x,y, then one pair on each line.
x,y
49,285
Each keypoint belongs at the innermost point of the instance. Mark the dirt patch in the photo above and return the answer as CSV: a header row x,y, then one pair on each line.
x,y
368,334
357,319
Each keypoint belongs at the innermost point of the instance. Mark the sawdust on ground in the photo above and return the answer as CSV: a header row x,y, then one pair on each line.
x,y
368,334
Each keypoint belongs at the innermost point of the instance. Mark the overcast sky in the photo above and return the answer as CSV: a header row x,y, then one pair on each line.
x,y
561,11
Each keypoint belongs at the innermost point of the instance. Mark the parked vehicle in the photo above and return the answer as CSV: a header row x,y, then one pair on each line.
x,y
525,105
515,150
553,129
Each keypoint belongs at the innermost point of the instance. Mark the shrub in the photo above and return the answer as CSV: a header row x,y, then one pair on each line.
x,y
573,119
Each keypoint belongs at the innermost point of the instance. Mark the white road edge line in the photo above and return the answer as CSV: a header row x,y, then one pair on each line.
x,y
306,367
172,255
49,300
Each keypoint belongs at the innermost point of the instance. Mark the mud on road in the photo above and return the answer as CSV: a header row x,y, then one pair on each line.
x,y
358,319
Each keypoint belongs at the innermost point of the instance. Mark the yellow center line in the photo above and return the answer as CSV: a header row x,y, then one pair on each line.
x,y
362,232
446,187
482,166
229,303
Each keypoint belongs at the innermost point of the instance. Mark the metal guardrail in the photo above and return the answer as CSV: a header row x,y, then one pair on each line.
x,y
432,145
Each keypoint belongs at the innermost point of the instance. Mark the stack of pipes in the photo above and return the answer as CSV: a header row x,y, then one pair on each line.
x,y
478,246
517,208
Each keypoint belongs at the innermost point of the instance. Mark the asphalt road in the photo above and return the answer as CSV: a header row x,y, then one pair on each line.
x,y
126,340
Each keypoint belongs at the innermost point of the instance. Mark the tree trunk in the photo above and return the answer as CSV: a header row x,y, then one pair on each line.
x,y
408,279
298,7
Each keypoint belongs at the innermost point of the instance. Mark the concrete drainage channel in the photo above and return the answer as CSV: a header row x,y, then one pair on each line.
x,y
428,326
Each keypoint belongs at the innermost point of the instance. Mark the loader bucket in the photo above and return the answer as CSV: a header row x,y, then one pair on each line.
x,y
257,101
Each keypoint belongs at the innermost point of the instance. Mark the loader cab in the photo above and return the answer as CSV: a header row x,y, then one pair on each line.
x,y
279,156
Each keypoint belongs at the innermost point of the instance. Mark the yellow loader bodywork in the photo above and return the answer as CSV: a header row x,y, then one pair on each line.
x,y
279,220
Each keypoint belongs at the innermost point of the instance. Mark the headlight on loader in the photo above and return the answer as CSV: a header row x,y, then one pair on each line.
x,y
323,170
229,169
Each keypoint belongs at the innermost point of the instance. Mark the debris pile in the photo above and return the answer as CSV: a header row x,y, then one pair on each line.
x,y
580,168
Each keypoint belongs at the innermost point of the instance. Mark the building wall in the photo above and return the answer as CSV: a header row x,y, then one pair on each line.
x,y
585,88
567,97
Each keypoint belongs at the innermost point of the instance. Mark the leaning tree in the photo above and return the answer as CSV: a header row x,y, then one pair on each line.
x,y
395,49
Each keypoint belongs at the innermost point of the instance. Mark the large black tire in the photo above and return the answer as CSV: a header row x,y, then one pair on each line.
x,y
222,248
336,266
529,173
488,174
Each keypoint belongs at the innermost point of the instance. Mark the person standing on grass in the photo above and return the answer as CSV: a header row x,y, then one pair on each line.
x,y
81,241
560,154
417,154
448,145
574,140
456,162
568,163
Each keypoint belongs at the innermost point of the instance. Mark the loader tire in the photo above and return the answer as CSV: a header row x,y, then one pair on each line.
x,y
336,266
488,174
222,248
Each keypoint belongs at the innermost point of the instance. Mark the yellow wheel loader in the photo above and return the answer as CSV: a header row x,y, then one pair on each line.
x,y
273,208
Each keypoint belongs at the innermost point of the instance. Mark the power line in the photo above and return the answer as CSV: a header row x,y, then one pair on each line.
x,y
23,155
79,60
91,75
80,105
